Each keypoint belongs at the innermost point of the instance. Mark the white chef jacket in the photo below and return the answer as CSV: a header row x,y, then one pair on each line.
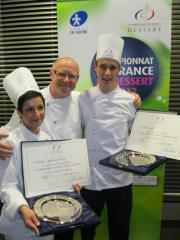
x,y
11,183
62,118
106,119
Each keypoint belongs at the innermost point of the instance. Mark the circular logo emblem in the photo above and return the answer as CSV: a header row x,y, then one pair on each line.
x,y
144,15
139,68
78,18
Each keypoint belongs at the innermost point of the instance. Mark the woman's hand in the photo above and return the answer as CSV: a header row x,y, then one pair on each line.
x,y
30,219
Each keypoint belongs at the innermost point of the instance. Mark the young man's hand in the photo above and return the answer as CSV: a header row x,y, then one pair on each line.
x,y
77,188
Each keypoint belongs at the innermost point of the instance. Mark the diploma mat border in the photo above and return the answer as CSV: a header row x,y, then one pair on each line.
x,y
140,170
87,218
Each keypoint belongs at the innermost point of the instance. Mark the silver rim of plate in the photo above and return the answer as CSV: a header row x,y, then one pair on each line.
x,y
132,158
58,209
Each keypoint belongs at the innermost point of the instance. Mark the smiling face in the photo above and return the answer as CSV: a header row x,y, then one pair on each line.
x,y
32,114
64,75
107,71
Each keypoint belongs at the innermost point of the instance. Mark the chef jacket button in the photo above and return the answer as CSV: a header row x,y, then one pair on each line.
x,y
55,122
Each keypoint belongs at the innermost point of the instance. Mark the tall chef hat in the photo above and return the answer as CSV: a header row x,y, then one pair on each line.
x,y
109,45
18,82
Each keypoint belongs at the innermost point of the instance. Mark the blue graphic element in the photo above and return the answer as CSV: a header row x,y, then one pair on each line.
x,y
139,68
78,18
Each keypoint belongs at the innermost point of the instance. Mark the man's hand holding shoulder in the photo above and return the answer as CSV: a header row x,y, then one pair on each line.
x,y
6,150
137,99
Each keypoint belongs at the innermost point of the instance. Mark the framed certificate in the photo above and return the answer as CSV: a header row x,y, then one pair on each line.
x,y
53,166
155,137
50,168
156,133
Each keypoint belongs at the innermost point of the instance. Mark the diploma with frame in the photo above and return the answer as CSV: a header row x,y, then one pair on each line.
x,y
50,168
155,137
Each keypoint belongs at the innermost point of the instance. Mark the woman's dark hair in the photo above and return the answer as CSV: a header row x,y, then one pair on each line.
x,y
27,96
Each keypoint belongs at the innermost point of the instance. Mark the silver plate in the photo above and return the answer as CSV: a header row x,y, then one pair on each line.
x,y
131,158
58,209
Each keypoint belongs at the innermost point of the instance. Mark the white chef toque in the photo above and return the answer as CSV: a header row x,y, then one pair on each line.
x,y
18,82
109,45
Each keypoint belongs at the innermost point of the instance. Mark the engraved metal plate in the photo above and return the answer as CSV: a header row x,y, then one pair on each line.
x,y
58,209
131,158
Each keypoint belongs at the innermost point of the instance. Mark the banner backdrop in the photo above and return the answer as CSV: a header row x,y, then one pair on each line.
x,y
145,27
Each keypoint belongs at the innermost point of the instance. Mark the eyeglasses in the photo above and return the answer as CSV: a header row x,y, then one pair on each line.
x,y
64,75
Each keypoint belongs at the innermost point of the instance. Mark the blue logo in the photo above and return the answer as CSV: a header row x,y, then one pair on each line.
x,y
139,68
78,18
